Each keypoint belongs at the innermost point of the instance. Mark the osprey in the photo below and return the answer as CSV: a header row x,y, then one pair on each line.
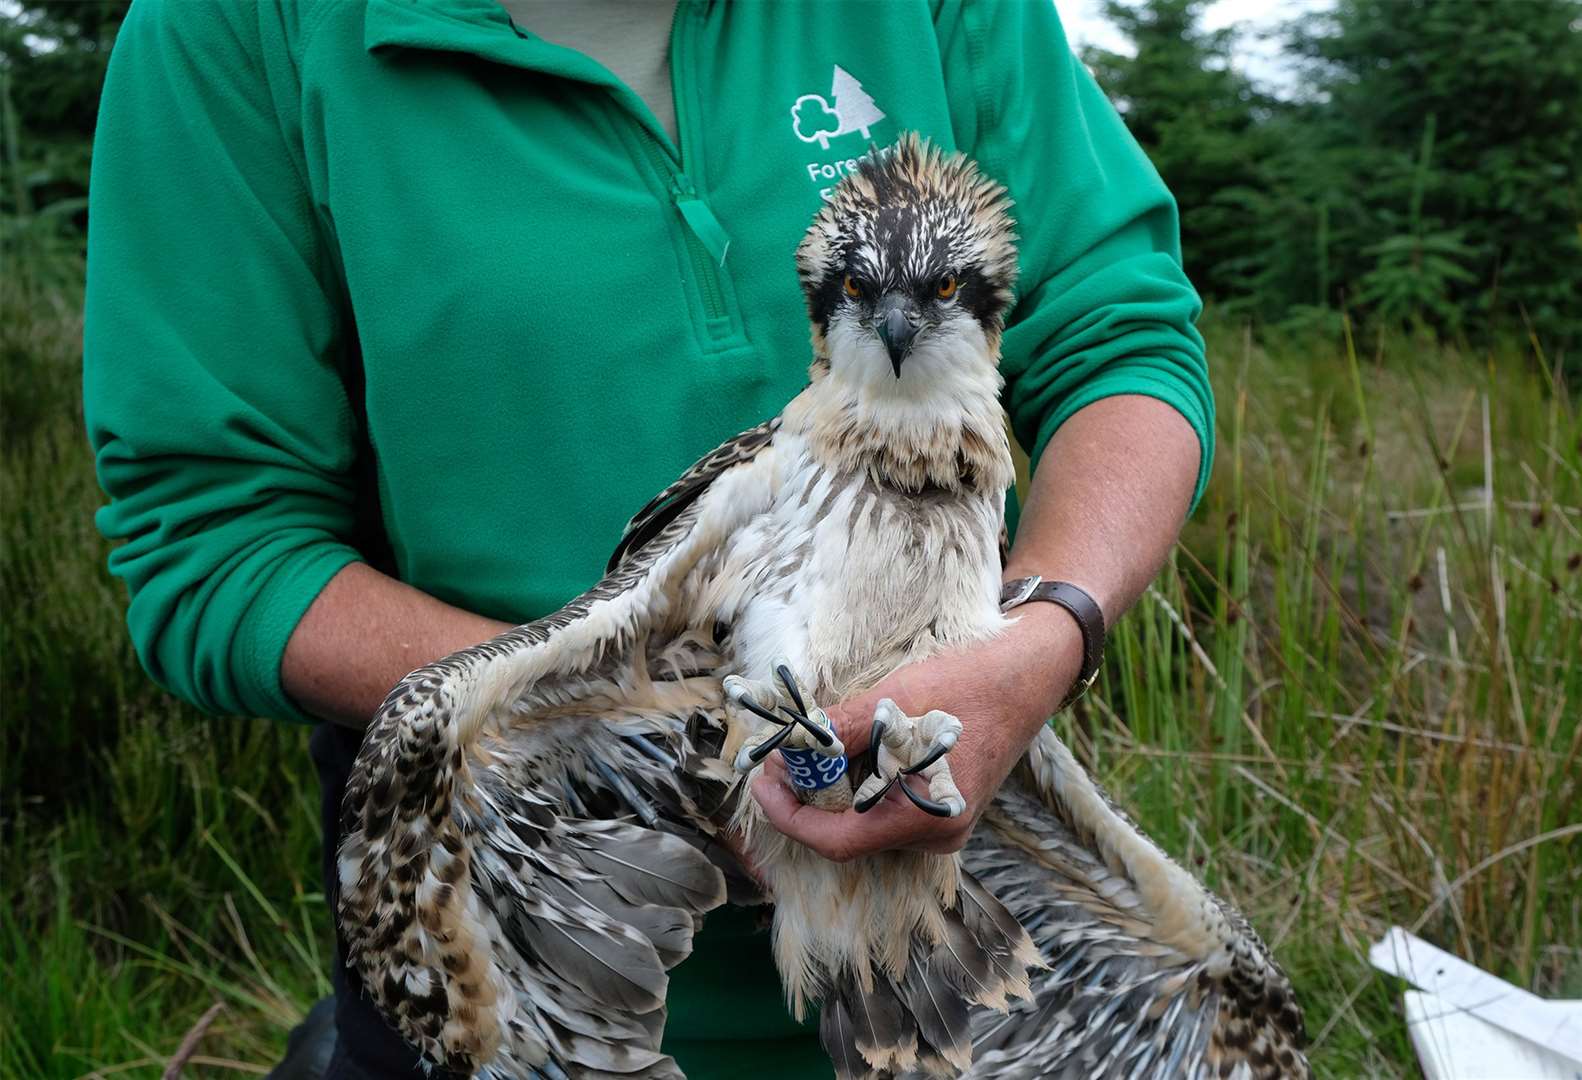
x,y
533,827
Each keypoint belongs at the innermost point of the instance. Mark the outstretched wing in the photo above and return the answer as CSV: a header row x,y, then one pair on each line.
x,y
1150,975
515,875
663,508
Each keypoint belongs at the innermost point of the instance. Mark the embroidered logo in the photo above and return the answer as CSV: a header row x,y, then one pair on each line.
x,y
813,119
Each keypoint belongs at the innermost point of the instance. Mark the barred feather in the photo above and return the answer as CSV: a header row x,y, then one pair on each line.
x,y
1149,975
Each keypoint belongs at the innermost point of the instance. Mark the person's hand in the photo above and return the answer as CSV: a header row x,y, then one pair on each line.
x,y
1002,691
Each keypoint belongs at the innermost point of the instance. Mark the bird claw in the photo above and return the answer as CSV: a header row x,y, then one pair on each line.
x,y
903,746
786,722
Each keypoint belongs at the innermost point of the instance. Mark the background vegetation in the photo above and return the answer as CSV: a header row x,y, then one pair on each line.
x,y
1353,701
1425,174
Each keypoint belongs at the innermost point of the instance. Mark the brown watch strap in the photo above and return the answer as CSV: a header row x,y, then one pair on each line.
x,y
1083,608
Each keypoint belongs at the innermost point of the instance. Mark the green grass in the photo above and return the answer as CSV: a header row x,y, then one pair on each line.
x,y
1352,701
155,860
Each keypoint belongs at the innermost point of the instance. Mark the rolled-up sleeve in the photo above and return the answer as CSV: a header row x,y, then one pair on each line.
x,y
1103,307
212,390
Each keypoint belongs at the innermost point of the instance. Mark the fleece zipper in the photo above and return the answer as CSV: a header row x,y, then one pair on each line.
x,y
704,228
706,241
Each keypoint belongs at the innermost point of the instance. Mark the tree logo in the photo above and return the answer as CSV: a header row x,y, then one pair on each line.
x,y
815,120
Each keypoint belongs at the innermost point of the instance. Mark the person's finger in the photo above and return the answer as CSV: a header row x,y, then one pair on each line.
x,y
775,798
825,832
893,823
853,722
820,830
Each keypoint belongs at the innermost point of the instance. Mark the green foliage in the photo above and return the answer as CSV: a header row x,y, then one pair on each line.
x,y
1413,277
1429,174
55,54
1198,117
1502,85
52,64
1370,636
156,859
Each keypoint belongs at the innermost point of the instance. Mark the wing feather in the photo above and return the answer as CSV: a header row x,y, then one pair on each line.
x,y
473,870
1149,974
663,508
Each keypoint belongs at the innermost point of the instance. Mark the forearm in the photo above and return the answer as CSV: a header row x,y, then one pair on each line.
x,y
1102,512
364,632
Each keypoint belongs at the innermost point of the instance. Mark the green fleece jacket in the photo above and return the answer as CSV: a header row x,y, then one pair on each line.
x,y
401,272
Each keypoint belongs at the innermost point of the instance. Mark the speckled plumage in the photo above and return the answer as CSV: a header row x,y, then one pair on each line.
x,y
1149,974
534,827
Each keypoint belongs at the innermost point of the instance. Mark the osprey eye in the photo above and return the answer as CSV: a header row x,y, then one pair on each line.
x,y
852,289
947,286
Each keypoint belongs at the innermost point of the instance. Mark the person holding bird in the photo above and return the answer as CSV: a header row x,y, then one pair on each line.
x,y
397,311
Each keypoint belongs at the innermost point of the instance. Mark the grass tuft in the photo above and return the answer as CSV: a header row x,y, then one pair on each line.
x,y
1353,701
156,859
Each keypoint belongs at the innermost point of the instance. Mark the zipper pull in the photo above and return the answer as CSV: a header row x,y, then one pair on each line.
x,y
701,220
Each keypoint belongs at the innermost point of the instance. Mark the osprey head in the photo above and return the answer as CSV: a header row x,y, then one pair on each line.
x,y
913,256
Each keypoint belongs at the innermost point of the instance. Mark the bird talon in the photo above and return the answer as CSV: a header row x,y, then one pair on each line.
x,y
757,753
935,752
901,746
814,721
928,806
783,670
877,789
803,729
759,711
822,731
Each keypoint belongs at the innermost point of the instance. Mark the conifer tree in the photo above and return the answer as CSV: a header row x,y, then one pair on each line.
x,y
1428,172
1462,123
1197,117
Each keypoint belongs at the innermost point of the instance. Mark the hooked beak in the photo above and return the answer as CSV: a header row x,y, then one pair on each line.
x,y
896,321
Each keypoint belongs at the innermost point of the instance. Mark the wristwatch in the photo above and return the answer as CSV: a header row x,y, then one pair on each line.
x,y
1083,608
